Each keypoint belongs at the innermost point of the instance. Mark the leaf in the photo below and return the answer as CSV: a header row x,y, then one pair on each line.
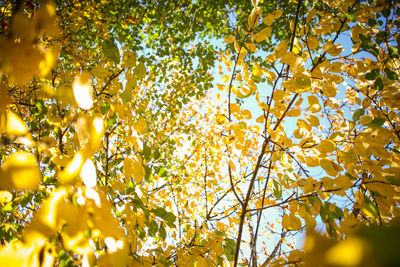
x,y
391,74
378,85
372,75
393,179
312,42
126,96
140,71
358,113
369,208
291,222
229,39
20,171
169,217
376,122
153,228
229,248
82,89
261,35
277,189
225,78
162,232
326,146
5,197
110,51
280,49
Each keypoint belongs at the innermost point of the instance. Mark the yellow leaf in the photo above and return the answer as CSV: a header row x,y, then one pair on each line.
x,y
348,252
343,182
17,253
312,99
5,197
140,126
11,124
291,222
133,167
268,19
20,171
355,32
246,114
127,168
296,256
279,95
261,35
348,157
289,58
328,166
312,162
69,174
366,119
277,13
336,67
82,89
260,119
310,15
234,108
326,146
229,39
271,76
312,42
88,173
129,59
332,49
225,78
220,119
252,20
312,120
293,112
280,50
251,47
329,90
257,71
90,132
303,83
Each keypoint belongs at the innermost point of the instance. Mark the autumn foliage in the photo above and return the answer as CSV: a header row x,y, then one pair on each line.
x,y
200,133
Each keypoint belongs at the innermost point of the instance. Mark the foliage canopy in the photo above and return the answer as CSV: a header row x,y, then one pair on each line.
x,y
199,133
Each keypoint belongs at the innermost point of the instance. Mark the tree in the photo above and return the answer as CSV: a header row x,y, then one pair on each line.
x,y
123,143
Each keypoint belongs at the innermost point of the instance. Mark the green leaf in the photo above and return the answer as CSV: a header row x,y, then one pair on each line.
x,y
372,75
126,96
162,232
153,228
162,172
277,190
393,179
110,51
369,208
394,51
140,71
350,17
351,176
8,207
378,85
169,217
148,177
229,248
104,107
146,152
391,74
358,113
377,122
165,261
112,121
